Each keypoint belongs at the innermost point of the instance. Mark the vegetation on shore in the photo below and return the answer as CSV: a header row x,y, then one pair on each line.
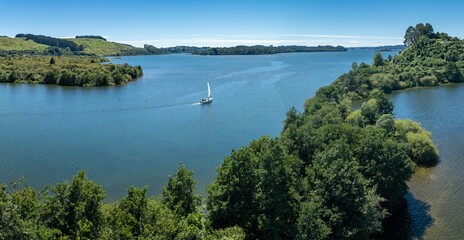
x,y
99,46
253,50
429,60
74,210
66,71
332,173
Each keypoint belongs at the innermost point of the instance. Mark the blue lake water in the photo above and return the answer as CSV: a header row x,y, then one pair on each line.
x,y
138,134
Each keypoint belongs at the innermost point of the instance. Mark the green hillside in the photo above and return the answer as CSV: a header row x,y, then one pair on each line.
x,y
19,44
104,48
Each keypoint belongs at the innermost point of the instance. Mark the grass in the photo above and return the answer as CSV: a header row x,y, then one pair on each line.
x,y
101,47
19,44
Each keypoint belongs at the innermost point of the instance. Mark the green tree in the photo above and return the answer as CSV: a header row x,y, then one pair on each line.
x,y
385,162
255,190
179,194
52,77
422,149
378,59
74,208
134,208
52,61
339,204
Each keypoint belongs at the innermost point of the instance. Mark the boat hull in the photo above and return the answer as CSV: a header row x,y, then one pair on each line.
x,y
206,100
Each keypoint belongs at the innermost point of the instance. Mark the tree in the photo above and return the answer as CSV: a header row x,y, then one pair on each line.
x,y
53,77
378,59
74,208
409,36
384,105
134,208
452,72
339,203
422,149
385,162
387,122
179,194
255,190
293,117
52,61
414,33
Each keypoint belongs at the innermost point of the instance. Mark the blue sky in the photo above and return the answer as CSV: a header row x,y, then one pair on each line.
x,y
228,23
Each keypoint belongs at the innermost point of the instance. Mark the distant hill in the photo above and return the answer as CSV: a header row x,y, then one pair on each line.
x,y
31,44
102,47
20,44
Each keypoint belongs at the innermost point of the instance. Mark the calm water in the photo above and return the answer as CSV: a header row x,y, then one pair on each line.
x,y
436,202
139,133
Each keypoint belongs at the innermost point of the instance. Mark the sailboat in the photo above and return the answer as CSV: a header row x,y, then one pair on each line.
x,y
208,99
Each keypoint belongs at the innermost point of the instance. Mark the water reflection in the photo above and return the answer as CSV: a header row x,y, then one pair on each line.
x,y
410,220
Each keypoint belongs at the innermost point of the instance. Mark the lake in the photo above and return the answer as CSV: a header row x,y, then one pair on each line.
x,y
138,134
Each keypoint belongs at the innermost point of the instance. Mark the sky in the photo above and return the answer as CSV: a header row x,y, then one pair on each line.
x,y
230,23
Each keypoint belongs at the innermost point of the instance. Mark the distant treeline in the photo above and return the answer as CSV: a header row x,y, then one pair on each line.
x,y
387,48
92,36
183,49
259,50
51,41
66,71
60,46
250,50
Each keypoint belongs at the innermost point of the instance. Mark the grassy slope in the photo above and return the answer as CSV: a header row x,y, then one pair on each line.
x,y
101,47
19,44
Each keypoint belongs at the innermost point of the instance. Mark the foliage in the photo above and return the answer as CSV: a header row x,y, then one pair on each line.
x,y
421,149
66,71
378,59
92,37
339,204
259,50
179,194
74,208
332,173
101,47
414,33
430,59
51,41
327,189
255,190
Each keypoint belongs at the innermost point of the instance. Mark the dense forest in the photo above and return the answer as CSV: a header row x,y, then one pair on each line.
x,y
92,37
51,41
332,173
259,50
250,50
66,71
429,60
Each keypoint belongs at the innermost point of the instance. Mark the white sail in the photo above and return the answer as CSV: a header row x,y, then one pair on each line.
x,y
209,91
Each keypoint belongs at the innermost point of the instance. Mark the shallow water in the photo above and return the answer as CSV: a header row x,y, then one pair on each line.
x,y
437,194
